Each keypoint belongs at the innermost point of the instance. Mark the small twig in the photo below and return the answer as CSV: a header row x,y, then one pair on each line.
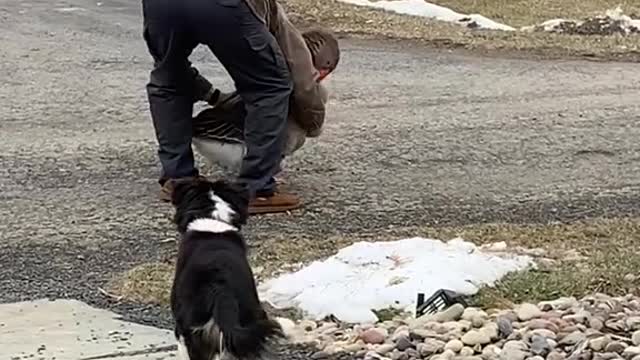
x,y
109,295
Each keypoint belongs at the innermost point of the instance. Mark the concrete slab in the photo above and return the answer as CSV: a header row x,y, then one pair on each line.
x,y
73,330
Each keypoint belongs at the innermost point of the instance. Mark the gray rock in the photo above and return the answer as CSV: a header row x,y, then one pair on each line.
x,y
542,324
615,325
475,337
466,351
631,352
599,343
563,303
421,334
615,347
355,347
403,343
581,317
572,339
402,330
399,355
452,313
605,356
504,326
555,355
633,323
635,338
372,355
320,355
539,345
537,357
581,355
454,345
430,347
596,323
513,354
528,311
471,312
544,332
514,350
478,321
413,353
384,349
490,352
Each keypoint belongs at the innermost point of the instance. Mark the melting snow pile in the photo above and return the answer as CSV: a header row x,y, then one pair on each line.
x,y
425,9
366,276
613,22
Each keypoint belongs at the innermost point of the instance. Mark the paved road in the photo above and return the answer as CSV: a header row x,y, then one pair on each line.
x,y
415,136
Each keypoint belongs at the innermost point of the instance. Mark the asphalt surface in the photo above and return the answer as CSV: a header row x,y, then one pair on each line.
x,y
414,136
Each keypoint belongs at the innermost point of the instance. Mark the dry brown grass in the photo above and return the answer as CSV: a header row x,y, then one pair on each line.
x,y
348,19
609,247
518,13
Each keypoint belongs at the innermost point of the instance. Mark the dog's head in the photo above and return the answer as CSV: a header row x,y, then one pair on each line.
x,y
198,198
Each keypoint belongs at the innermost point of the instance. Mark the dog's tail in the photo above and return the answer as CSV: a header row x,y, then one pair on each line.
x,y
245,340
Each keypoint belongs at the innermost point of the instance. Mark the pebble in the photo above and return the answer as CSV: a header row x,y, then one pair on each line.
x,y
528,311
374,335
504,326
475,337
596,324
633,323
403,343
615,347
554,355
631,352
466,351
544,332
514,350
430,347
539,345
572,339
542,324
454,345
563,329
320,355
599,343
453,313
384,349
399,355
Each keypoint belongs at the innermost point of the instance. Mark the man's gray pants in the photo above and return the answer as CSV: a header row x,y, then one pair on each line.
x,y
244,46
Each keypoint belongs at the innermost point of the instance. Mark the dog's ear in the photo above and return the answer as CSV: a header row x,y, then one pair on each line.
x,y
236,195
180,188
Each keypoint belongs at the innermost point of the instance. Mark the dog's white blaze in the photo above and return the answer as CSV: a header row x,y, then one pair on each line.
x,y
210,225
223,211
182,354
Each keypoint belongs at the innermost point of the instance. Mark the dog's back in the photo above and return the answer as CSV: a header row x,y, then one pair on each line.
x,y
214,299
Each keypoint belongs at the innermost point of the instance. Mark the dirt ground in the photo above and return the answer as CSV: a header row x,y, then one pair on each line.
x,y
418,139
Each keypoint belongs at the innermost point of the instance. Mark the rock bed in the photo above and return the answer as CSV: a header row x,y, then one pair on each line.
x,y
597,327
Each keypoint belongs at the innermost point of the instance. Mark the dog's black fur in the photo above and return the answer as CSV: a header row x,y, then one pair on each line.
x,y
214,291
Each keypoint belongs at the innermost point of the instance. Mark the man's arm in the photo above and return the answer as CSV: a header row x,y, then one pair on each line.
x,y
308,98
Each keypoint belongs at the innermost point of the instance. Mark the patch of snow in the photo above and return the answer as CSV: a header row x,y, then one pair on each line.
x,y
425,9
614,20
370,276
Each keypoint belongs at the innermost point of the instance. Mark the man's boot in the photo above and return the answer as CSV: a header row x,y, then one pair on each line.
x,y
276,203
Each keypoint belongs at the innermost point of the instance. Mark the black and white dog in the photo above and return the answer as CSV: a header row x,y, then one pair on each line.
x,y
214,299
